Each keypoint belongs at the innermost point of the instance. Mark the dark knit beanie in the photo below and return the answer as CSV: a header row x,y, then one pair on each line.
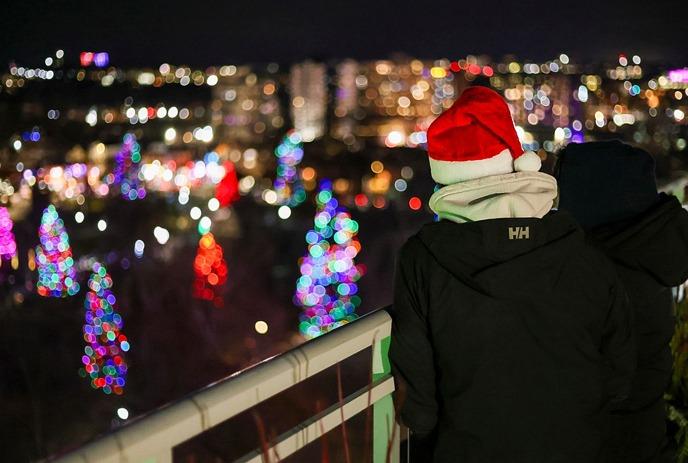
x,y
605,182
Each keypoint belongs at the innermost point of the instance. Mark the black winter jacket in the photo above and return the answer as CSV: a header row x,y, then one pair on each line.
x,y
651,255
512,337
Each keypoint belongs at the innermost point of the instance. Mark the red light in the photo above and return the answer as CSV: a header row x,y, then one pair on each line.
x,y
86,58
487,71
474,69
151,113
227,191
454,66
415,203
361,200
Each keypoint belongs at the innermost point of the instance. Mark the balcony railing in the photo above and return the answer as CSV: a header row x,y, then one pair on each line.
x,y
152,438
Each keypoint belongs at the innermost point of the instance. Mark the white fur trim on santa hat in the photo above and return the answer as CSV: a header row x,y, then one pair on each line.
x,y
450,172
527,162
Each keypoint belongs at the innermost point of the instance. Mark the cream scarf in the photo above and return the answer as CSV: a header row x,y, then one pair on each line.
x,y
519,194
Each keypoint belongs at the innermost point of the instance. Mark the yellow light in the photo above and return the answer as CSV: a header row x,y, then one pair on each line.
x,y
341,186
438,72
383,68
261,327
377,167
269,196
298,102
395,138
170,135
31,263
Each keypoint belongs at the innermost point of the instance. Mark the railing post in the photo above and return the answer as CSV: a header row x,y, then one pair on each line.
x,y
385,428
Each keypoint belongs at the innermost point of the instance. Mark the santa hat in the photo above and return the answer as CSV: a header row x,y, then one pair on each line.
x,y
476,138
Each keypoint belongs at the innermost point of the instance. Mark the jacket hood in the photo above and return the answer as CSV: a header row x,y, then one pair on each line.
x,y
521,194
654,242
491,255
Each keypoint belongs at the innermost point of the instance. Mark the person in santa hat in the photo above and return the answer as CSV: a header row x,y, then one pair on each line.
x,y
511,337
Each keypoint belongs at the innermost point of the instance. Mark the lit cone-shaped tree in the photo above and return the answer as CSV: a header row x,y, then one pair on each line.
x,y
103,359
56,272
288,185
126,172
327,290
8,245
210,269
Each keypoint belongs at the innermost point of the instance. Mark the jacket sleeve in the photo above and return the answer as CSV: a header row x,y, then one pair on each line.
x,y
618,346
411,351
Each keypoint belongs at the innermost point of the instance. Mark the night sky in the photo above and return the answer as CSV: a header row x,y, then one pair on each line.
x,y
199,32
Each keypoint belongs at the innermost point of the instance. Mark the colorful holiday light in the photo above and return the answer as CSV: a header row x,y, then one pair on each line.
x,y
8,246
126,172
210,269
103,358
56,271
327,287
288,185
227,191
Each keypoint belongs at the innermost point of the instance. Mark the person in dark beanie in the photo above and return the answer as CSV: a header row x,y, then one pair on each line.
x,y
609,187
510,335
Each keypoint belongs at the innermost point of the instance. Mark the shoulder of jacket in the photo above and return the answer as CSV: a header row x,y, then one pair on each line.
x,y
413,255
413,246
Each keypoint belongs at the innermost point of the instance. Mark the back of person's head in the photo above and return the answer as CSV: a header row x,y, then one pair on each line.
x,y
605,182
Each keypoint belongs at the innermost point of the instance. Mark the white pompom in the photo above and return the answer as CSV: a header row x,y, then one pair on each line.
x,y
527,162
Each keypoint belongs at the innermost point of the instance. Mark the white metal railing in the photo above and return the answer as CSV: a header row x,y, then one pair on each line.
x,y
152,438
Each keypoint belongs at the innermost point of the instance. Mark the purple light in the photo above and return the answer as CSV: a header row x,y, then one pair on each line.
x,y
101,59
8,246
679,75
577,138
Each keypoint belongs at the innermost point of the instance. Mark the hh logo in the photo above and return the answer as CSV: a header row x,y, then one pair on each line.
x,y
519,233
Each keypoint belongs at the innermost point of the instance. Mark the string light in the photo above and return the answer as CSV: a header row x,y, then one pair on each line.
x,y
210,269
288,185
327,289
56,271
103,359
126,173
8,245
